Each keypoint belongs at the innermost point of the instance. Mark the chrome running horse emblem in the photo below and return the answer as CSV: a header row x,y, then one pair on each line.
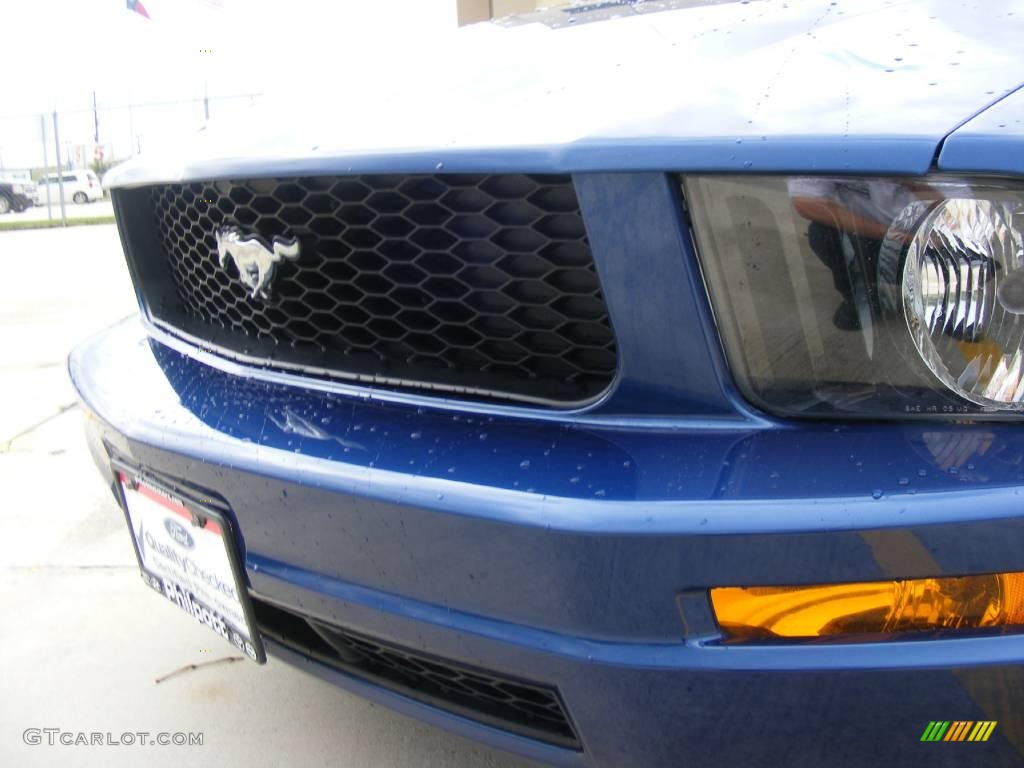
x,y
255,262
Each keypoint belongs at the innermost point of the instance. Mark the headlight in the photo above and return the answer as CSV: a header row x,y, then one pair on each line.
x,y
872,297
963,295
18,189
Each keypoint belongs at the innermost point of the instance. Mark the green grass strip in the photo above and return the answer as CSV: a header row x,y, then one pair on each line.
x,y
47,224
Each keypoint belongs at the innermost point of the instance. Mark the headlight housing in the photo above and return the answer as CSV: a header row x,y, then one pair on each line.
x,y
867,297
963,295
18,189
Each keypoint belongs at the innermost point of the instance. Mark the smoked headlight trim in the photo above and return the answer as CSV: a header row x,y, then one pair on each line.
x,y
867,297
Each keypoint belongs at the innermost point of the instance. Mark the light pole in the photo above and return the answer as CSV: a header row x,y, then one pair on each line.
x,y
46,167
60,171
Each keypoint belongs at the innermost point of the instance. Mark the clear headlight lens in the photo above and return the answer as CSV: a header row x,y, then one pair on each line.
x,y
963,294
18,189
873,297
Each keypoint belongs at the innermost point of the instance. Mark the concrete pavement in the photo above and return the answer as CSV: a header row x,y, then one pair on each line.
x,y
82,639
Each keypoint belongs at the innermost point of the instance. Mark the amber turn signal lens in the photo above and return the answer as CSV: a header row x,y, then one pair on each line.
x,y
968,602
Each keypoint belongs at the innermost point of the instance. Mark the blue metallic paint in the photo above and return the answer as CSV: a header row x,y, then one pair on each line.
x,y
574,548
993,142
651,279
580,591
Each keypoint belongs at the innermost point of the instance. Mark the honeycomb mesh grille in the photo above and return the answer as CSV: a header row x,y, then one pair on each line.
x,y
525,708
480,283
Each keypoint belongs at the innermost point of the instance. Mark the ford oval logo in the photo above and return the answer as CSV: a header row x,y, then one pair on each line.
x,y
179,533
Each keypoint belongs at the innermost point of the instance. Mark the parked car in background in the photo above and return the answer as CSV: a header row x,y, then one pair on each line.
x,y
80,186
656,401
17,195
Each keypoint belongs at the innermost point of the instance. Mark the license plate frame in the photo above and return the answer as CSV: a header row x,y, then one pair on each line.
x,y
194,520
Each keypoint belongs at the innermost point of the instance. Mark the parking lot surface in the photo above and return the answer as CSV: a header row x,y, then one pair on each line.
x,y
83,639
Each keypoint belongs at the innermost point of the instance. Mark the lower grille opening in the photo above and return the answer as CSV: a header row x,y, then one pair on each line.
x,y
523,708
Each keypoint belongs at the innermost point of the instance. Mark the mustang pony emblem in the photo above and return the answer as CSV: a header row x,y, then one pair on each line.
x,y
255,262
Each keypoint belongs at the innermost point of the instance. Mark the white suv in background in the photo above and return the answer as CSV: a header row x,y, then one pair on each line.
x,y
80,186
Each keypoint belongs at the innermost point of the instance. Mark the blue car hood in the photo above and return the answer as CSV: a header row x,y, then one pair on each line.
x,y
865,86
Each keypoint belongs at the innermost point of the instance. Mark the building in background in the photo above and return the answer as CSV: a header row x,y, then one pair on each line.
x,y
470,11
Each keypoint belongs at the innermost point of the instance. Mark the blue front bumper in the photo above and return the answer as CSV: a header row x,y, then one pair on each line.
x,y
577,555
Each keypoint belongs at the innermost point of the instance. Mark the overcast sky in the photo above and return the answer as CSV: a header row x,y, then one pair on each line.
x,y
56,52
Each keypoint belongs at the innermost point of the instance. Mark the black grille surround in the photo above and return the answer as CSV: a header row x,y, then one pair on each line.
x,y
523,708
482,285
